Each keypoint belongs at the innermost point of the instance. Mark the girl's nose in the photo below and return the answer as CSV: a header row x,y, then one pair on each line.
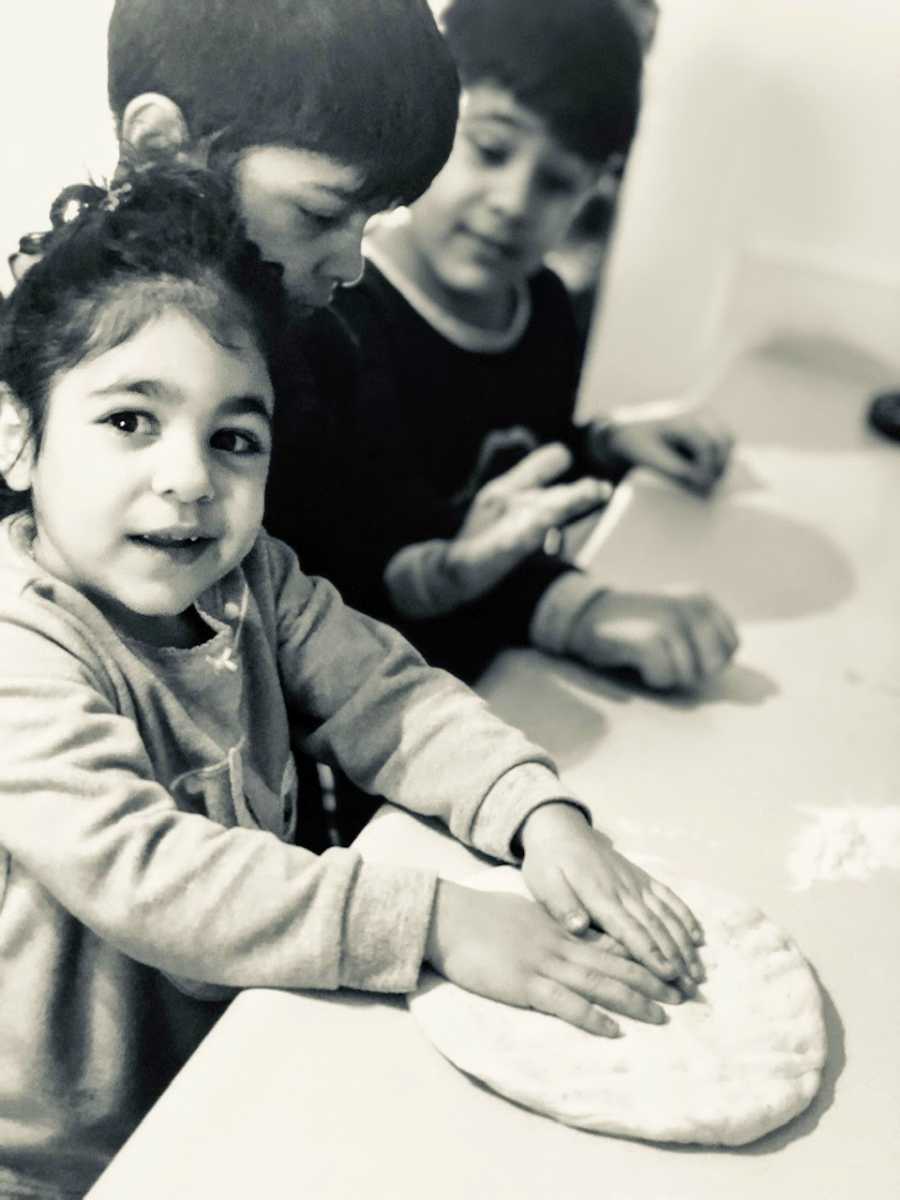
x,y
183,473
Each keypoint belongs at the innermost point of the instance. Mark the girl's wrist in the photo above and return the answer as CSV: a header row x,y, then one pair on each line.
x,y
550,820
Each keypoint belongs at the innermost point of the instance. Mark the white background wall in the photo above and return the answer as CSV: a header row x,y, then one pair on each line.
x,y
768,160
766,178
54,122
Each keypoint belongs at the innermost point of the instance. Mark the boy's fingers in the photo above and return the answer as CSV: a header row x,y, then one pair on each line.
x,y
712,635
538,468
565,502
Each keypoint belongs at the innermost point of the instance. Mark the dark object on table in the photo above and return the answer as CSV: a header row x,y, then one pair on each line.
x,y
884,414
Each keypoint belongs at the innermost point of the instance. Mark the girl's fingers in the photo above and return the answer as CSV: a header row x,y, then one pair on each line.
x,y
694,973
554,998
616,983
615,919
681,910
561,902
665,944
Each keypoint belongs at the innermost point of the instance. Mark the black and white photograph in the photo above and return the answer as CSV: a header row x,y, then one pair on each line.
x,y
449,599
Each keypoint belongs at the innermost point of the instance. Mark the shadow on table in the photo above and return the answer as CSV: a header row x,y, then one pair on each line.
x,y
738,684
759,565
554,702
803,393
562,704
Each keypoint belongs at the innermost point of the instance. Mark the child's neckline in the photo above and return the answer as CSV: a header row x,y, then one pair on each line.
x,y
20,530
463,334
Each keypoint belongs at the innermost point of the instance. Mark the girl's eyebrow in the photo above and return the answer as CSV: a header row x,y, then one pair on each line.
x,y
142,387
231,406
237,406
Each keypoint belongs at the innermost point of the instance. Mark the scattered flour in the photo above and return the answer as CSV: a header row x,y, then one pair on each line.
x,y
845,843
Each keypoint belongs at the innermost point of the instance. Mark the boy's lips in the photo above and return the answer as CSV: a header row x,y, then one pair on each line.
x,y
507,250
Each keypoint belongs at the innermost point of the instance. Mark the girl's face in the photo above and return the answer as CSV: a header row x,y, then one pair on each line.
x,y
150,480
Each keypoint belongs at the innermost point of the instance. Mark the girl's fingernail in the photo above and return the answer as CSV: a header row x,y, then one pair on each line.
x,y
697,972
697,935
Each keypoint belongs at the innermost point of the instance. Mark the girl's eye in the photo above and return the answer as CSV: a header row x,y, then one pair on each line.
x,y
237,441
129,422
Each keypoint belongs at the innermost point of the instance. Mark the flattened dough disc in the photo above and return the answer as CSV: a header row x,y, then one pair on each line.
x,y
740,1060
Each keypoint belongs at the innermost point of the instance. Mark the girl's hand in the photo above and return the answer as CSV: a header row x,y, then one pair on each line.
x,y
509,949
582,881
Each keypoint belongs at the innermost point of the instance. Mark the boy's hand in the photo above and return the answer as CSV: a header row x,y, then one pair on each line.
x,y
509,949
511,516
688,449
674,641
582,881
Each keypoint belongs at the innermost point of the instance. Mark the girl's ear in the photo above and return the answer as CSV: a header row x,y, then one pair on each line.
x,y
16,449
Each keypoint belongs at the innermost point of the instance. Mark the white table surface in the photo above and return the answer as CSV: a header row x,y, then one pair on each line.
x,y
781,783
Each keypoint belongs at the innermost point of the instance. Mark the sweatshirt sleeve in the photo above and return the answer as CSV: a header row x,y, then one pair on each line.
x,y
368,703
82,814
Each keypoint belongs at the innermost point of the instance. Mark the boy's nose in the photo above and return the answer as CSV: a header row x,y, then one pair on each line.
x,y
344,262
512,191
183,473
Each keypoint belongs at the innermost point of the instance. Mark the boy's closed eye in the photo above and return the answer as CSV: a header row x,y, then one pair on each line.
x,y
318,219
491,151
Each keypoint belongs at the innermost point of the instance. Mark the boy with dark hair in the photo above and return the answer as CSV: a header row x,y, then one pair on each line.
x,y
323,113
342,109
471,361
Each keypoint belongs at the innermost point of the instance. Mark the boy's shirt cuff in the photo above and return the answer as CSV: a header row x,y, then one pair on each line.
x,y
417,581
559,608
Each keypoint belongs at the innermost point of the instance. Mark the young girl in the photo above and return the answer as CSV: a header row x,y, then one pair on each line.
x,y
159,651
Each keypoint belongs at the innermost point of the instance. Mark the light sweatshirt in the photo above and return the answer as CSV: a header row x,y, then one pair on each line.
x,y
147,799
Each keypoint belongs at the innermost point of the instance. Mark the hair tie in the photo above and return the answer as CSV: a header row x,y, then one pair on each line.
x,y
70,205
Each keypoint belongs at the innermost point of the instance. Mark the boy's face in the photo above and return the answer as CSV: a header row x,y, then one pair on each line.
x,y
302,210
149,483
507,195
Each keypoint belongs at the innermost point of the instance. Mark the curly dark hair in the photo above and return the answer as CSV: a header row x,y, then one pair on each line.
x,y
167,235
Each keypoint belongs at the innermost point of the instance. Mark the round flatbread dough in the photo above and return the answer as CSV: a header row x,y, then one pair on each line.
x,y
742,1058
